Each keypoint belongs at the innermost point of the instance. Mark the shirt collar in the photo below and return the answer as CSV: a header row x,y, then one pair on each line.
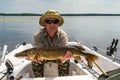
x,y
45,33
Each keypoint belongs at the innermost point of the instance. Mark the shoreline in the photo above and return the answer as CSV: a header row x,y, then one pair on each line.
x,y
32,14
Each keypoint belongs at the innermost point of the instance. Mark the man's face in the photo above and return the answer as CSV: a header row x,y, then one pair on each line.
x,y
51,24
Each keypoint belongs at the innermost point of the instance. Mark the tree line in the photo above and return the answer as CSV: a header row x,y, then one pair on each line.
x,y
32,14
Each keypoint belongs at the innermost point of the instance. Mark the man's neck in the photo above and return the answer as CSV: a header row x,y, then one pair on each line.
x,y
52,35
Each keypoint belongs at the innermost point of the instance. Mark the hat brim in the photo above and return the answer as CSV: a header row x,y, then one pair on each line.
x,y
44,17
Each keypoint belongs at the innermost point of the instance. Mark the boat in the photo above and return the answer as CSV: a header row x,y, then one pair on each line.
x,y
13,68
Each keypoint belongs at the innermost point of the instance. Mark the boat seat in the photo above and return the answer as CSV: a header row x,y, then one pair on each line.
x,y
50,69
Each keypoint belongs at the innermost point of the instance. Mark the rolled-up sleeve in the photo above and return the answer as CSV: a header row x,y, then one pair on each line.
x,y
37,39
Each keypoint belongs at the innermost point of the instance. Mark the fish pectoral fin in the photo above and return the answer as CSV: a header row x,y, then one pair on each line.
x,y
78,58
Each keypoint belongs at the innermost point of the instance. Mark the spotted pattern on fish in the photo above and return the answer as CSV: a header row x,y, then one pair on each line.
x,y
54,53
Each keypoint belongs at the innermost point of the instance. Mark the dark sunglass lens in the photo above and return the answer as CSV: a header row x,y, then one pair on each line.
x,y
56,21
52,21
48,21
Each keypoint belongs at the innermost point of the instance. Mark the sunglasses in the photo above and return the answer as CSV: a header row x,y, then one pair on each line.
x,y
56,21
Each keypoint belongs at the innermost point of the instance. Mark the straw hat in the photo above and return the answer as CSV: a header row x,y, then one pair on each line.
x,y
51,14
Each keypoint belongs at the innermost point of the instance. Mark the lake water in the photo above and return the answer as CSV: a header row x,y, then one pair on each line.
x,y
92,31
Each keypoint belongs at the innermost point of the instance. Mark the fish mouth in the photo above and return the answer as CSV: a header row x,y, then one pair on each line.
x,y
19,55
16,55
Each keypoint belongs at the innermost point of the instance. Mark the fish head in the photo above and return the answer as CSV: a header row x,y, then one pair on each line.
x,y
28,54
22,54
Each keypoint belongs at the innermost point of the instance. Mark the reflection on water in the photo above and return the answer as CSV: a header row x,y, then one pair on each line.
x,y
91,30
14,30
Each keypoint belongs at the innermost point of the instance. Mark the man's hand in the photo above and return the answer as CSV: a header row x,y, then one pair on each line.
x,y
67,56
34,59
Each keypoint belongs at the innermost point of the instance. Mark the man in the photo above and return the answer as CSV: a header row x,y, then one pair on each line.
x,y
51,36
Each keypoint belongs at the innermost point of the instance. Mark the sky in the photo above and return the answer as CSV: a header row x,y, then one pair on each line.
x,y
63,6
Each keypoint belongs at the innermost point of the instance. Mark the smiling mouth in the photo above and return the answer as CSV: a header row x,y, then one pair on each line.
x,y
52,27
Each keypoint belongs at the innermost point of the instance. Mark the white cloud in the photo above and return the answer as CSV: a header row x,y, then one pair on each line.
x,y
64,6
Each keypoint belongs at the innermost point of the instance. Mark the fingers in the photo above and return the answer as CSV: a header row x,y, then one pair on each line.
x,y
34,60
67,56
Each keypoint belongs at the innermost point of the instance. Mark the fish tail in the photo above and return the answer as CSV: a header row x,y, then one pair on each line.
x,y
90,58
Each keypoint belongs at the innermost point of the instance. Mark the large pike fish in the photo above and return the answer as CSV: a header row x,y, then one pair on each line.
x,y
54,53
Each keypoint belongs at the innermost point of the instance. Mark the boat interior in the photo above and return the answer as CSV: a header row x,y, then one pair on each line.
x,y
50,71
22,69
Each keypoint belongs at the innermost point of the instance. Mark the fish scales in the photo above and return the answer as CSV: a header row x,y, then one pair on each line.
x,y
48,52
54,53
